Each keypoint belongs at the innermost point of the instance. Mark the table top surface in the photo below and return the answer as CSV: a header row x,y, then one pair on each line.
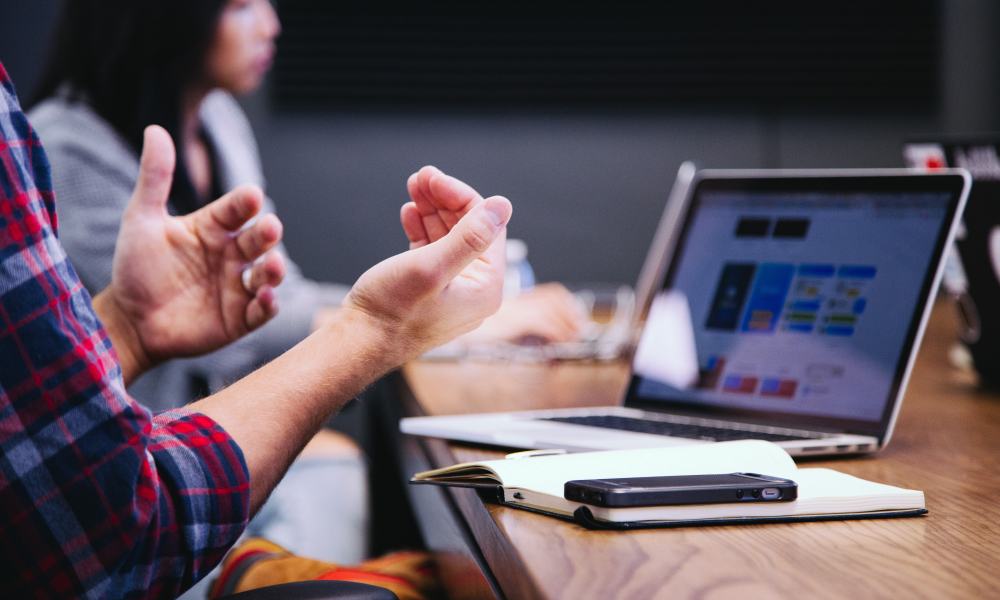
x,y
946,443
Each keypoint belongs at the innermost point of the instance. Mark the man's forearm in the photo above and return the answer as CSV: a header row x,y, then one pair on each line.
x,y
274,411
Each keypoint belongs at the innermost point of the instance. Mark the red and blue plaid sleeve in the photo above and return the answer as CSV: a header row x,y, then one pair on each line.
x,y
97,497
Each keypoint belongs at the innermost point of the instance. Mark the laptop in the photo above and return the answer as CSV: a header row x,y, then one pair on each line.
x,y
807,294
972,273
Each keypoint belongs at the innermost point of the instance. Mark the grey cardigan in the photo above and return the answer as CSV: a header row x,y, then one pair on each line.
x,y
93,173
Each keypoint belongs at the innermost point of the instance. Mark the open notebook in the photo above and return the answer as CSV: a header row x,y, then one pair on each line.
x,y
535,482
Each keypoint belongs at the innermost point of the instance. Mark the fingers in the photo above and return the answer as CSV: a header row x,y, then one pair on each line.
x,y
269,271
156,171
561,327
264,275
440,199
473,237
413,225
254,241
432,222
444,191
565,307
552,327
262,308
232,211
451,194
547,332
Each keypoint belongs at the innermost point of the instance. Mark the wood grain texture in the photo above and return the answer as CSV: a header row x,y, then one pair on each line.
x,y
947,443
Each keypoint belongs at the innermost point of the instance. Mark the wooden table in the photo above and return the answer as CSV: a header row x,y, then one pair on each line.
x,y
947,443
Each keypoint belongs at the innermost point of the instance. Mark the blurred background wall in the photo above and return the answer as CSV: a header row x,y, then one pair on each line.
x,y
361,96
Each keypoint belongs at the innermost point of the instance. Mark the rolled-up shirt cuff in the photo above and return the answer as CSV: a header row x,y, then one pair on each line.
x,y
207,483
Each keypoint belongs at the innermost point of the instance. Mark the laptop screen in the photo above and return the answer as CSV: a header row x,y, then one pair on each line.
x,y
803,298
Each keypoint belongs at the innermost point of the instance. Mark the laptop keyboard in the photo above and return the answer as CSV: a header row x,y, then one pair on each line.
x,y
683,430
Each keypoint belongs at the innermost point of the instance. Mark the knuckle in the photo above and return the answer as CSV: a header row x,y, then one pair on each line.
x,y
234,209
477,237
254,241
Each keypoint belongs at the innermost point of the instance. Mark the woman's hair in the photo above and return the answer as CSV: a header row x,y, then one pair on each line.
x,y
132,60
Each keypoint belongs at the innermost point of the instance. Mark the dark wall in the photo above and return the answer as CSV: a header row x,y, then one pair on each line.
x,y
588,187
24,32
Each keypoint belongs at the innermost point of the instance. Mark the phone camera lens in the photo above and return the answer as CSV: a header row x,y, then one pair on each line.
x,y
756,493
739,494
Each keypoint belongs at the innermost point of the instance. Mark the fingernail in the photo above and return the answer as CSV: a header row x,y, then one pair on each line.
x,y
496,208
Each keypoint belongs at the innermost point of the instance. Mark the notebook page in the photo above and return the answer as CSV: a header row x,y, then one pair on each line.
x,y
821,492
548,474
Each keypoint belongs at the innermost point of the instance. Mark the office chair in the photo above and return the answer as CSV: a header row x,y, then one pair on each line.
x,y
316,590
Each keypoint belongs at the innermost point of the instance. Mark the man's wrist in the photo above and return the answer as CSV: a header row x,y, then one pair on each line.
x,y
385,347
124,337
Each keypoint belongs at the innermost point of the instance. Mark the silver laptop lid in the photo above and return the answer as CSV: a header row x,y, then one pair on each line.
x,y
658,256
807,292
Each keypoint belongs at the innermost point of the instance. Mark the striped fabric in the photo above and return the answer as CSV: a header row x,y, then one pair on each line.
x,y
97,498
259,563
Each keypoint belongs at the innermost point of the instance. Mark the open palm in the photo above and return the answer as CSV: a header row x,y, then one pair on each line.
x,y
179,280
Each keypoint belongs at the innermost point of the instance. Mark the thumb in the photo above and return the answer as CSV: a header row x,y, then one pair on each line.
x,y
470,238
156,170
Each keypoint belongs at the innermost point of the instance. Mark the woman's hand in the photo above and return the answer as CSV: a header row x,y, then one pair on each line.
x,y
548,313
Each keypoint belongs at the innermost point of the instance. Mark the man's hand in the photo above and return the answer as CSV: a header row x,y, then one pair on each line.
x,y
549,312
452,277
177,285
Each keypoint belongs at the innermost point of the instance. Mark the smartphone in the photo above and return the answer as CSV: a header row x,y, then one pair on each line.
x,y
681,489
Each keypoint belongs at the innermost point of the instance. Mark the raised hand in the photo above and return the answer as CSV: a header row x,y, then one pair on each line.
x,y
549,313
450,280
178,284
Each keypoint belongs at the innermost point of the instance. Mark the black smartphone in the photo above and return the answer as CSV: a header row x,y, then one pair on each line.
x,y
681,489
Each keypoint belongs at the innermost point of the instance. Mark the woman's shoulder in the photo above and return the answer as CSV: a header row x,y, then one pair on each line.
x,y
72,127
221,113
230,130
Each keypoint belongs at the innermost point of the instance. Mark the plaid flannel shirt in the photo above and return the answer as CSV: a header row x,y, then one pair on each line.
x,y
97,497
